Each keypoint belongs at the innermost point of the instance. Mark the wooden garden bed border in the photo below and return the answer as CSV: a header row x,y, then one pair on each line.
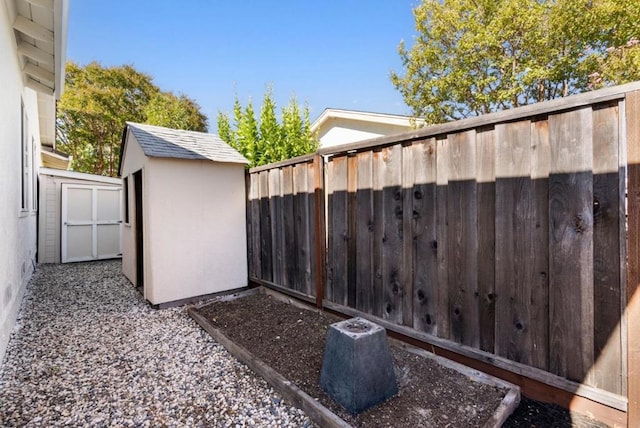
x,y
316,411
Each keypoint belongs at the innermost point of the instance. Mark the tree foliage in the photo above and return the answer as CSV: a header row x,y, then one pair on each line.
x,y
266,139
99,100
472,57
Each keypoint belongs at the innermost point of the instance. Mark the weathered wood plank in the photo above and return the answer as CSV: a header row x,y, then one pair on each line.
x,y
462,239
540,167
378,232
277,225
571,244
486,177
406,279
391,173
424,239
253,231
290,239
364,232
302,223
607,370
443,327
265,228
316,218
338,230
631,118
518,268
352,188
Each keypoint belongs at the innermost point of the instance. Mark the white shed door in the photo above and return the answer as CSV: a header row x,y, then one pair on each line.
x,y
91,222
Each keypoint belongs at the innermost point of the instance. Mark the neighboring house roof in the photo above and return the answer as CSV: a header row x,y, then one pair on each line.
x,y
363,116
160,142
336,126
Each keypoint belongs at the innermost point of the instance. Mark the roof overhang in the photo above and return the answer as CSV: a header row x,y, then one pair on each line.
x,y
40,29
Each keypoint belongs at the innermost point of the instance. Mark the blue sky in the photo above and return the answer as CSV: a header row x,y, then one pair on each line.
x,y
330,53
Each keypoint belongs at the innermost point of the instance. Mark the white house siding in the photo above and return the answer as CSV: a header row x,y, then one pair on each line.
x,y
344,131
50,208
17,227
196,236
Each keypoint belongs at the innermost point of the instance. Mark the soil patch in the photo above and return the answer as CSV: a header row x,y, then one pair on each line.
x,y
291,340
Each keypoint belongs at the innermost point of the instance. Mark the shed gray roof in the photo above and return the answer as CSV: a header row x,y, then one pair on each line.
x,y
157,141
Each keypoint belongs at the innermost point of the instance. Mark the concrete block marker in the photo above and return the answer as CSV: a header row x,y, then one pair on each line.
x,y
357,369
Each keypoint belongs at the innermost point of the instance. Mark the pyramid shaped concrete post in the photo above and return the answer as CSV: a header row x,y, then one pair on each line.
x,y
357,369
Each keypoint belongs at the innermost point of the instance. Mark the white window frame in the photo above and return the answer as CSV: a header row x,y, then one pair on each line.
x,y
24,162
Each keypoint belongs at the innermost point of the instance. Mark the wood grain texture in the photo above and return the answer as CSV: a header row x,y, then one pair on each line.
x,y
277,225
266,271
462,240
424,247
486,177
516,221
632,120
607,370
407,276
571,244
352,188
392,266
253,206
364,232
301,190
290,240
338,231
443,326
378,232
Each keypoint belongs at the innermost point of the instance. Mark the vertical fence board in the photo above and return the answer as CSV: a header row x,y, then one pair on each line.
x,y
443,327
516,276
462,239
364,232
486,178
301,214
378,232
391,174
338,230
265,228
539,322
290,242
424,239
606,255
277,223
254,220
407,276
314,219
571,244
352,182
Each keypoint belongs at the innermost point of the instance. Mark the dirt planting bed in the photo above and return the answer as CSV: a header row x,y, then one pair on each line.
x,y
290,340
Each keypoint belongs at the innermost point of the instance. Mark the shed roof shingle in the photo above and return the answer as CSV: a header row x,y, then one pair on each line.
x,y
157,141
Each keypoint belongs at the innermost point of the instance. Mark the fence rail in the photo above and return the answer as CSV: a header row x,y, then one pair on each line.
x,y
506,234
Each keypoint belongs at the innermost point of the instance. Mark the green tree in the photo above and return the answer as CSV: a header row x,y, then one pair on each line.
x,y
472,57
268,140
99,100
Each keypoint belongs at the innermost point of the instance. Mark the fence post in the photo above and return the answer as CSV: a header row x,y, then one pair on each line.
x,y
319,218
632,110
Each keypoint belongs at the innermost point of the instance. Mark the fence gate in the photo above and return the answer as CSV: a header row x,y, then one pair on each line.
x,y
91,222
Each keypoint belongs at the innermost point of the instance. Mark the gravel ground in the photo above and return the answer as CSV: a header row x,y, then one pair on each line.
x,y
88,351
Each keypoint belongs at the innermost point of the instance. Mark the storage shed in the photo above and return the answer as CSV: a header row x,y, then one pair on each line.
x,y
80,217
184,229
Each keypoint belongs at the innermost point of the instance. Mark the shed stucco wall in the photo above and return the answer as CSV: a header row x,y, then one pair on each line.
x,y
133,160
194,226
17,227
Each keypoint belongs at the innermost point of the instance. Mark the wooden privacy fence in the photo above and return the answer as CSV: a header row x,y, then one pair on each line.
x,y
501,237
